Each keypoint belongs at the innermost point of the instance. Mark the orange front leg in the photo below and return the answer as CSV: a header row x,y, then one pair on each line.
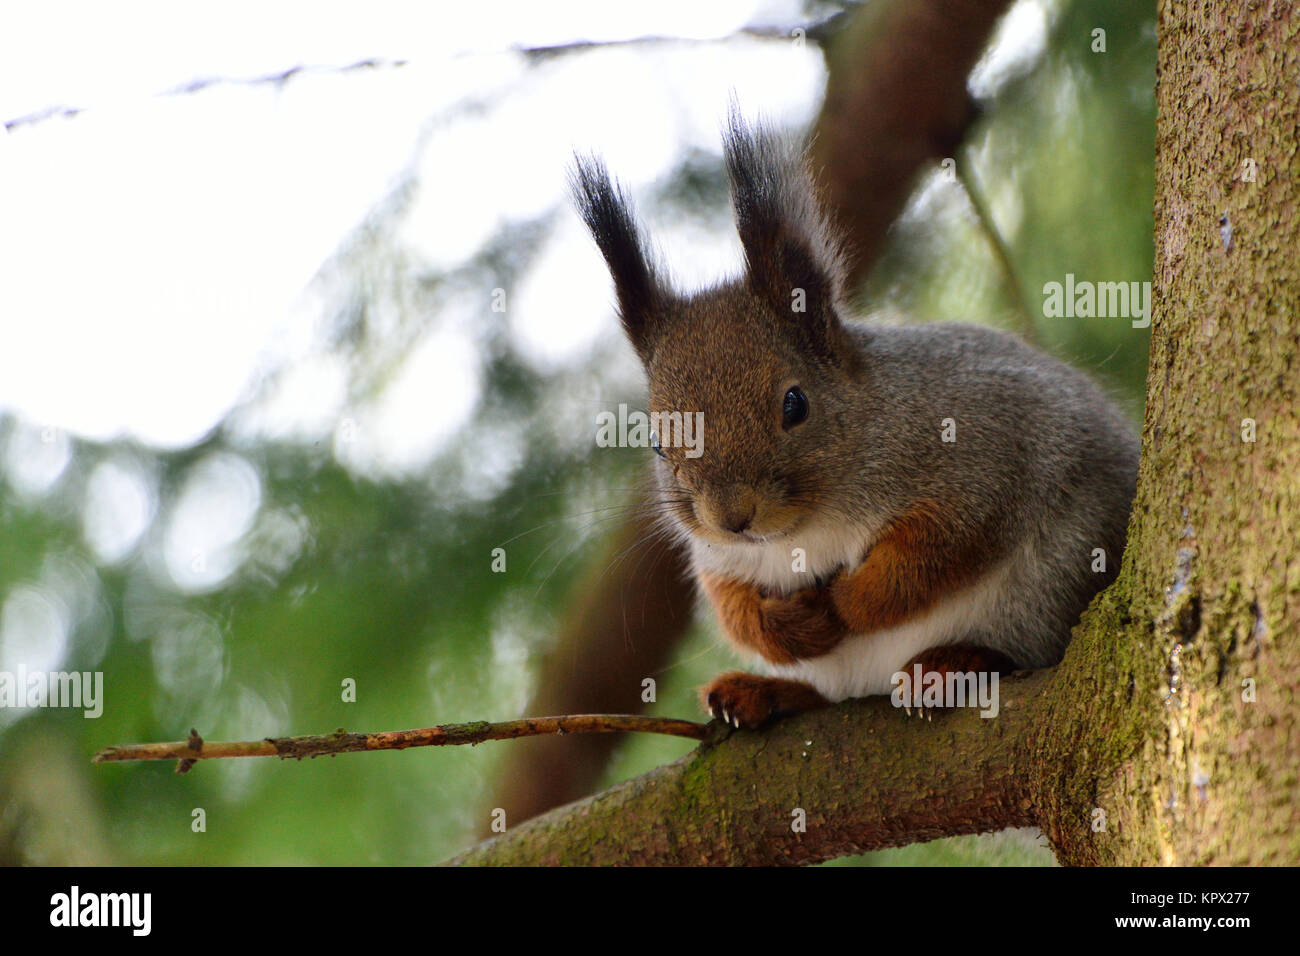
x,y
780,629
919,559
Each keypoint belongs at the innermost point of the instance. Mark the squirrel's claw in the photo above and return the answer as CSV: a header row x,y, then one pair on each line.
x,y
922,712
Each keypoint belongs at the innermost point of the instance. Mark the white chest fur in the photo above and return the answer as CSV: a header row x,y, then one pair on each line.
x,y
862,664
791,562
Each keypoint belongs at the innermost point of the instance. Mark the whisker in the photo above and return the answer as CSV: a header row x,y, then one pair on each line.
x,y
714,645
569,553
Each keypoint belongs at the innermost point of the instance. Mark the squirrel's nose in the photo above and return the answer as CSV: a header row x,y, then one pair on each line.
x,y
735,508
737,523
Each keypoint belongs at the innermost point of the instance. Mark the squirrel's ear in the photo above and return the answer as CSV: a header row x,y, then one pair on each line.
x,y
607,212
793,259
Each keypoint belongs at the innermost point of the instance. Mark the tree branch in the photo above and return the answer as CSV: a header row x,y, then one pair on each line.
x,y
445,735
865,775
895,100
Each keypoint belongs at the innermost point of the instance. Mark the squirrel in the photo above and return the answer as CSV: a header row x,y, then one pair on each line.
x,y
867,497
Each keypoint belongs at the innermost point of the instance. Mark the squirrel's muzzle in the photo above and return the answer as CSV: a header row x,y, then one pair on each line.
x,y
730,508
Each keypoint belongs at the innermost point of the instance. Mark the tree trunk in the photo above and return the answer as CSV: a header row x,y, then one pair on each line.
x,y
1209,603
1168,734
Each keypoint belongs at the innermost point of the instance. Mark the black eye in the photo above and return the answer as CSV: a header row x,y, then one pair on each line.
x,y
794,409
654,443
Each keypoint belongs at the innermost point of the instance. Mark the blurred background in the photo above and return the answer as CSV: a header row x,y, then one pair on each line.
x,y
298,328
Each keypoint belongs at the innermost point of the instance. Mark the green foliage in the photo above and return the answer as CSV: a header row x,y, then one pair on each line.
x,y
1063,159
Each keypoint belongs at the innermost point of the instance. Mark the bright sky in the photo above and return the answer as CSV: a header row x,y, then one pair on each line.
x,y
153,247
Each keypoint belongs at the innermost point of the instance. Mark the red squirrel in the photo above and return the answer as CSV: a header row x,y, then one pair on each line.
x,y
866,497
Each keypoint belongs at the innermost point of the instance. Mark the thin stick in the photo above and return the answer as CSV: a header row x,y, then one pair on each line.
x,y
1028,325
339,742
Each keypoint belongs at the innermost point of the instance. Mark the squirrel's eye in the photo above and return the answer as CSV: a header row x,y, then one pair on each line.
x,y
794,409
654,443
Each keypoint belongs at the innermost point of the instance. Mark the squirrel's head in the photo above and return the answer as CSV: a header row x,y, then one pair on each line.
x,y
748,379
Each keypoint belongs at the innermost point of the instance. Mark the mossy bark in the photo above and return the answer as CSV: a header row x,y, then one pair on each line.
x,y
860,776
1204,622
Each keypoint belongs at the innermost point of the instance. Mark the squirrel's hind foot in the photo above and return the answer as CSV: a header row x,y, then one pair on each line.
x,y
749,701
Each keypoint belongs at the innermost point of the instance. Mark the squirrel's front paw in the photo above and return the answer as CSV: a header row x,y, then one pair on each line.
x,y
750,701
800,625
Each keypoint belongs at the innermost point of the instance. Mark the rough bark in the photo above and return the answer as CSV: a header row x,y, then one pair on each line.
x,y
1214,586
1168,735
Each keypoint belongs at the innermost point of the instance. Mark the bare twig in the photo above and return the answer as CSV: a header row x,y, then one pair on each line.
x,y
1027,327
475,732
814,32
277,79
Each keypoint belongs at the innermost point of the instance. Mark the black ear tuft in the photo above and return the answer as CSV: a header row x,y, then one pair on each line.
x,y
607,212
789,246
